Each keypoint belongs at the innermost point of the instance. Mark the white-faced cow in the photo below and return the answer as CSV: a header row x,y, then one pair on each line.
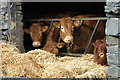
x,y
67,32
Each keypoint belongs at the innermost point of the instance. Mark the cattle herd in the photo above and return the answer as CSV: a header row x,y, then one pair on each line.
x,y
62,34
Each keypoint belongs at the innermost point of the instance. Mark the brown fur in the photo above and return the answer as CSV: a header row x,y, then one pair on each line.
x,y
51,44
36,31
85,31
100,50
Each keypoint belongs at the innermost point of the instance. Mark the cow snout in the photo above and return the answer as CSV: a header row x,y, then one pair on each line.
x,y
36,44
68,39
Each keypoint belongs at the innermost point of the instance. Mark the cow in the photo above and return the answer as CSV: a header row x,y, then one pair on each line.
x,y
99,52
36,32
52,44
68,29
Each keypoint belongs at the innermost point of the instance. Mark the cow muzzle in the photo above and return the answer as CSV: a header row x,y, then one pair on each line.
x,y
68,39
36,44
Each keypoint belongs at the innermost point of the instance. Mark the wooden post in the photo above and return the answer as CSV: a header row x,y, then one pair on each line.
x,y
16,11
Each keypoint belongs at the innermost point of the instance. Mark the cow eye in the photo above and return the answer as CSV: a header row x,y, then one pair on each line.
x,y
62,28
101,55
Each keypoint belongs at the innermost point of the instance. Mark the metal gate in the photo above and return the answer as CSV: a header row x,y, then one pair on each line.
x,y
81,19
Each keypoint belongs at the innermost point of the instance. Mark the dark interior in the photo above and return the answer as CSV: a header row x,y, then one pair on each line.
x,y
37,10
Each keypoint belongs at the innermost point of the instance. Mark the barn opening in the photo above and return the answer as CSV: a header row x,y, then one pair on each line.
x,y
38,10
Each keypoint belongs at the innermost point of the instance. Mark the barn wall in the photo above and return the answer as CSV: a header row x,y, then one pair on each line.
x,y
11,29
3,22
112,9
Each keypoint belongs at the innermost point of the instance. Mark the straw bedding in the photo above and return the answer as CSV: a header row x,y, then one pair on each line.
x,y
41,64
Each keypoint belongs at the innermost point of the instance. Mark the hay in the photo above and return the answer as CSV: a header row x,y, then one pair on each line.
x,y
41,64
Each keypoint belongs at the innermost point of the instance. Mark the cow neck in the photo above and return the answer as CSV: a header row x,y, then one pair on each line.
x,y
50,35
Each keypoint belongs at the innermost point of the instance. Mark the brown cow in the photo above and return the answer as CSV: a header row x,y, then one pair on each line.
x,y
67,33
35,32
100,50
52,38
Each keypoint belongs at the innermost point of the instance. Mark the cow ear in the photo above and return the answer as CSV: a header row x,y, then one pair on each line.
x,y
76,23
44,28
107,45
93,44
27,31
60,45
56,24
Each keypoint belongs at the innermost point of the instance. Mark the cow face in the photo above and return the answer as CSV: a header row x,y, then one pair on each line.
x,y
66,30
100,50
35,32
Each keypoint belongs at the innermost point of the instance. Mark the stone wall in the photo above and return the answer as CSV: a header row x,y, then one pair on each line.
x,y
11,26
112,10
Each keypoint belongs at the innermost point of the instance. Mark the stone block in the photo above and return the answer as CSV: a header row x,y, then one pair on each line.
x,y
3,4
18,12
19,24
2,11
18,3
113,10
19,17
113,49
113,58
4,38
114,3
113,71
112,40
2,17
5,32
113,78
18,7
5,26
113,26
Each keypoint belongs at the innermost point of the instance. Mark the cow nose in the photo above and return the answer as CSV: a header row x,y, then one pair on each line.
x,y
36,44
68,39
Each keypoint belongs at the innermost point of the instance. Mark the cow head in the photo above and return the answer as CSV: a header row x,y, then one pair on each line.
x,y
35,32
66,30
100,50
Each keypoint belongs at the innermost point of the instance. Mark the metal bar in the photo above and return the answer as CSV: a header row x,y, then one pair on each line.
x,y
48,31
96,26
70,54
77,33
50,27
79,29
59,39
95,18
